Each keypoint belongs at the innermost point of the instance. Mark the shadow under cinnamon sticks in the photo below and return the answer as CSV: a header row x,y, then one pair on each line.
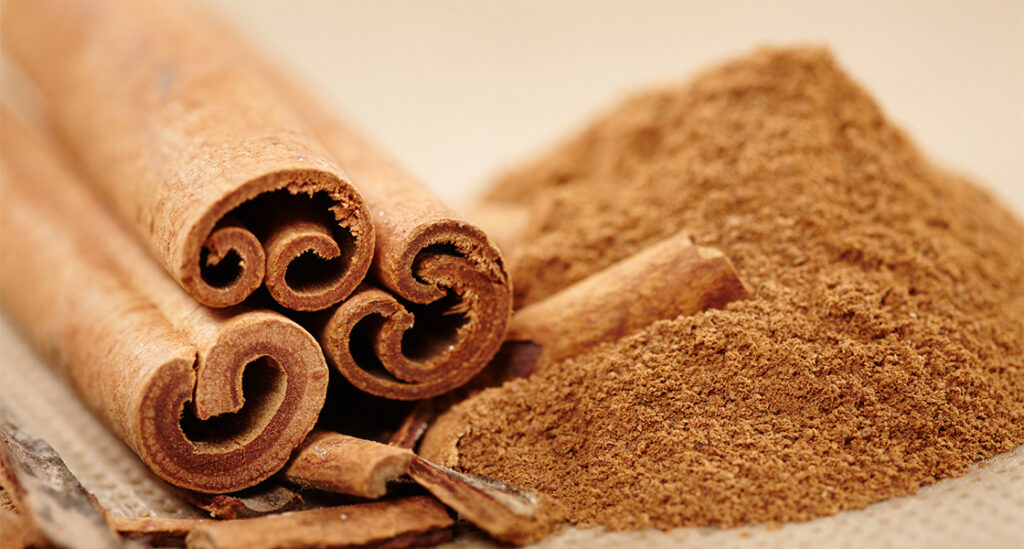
x,y
211,400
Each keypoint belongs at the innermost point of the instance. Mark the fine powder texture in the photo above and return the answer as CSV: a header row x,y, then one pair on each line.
x,y
882,348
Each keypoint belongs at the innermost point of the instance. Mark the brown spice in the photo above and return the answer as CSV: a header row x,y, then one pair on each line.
x,y
882,350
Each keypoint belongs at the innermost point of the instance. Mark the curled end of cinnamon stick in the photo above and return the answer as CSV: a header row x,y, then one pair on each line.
x,y
234,420
452,308
305,233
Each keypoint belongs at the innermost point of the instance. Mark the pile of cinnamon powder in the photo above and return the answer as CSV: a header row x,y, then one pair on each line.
x,y
882,348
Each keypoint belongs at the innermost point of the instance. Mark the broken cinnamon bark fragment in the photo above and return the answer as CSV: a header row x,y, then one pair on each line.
x,y
670,278
347,465
409,522
155,531
415,424
212,400
193,151
263,499
49,498
508,513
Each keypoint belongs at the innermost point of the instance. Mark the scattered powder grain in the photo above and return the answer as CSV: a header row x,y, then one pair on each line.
x,y
883,348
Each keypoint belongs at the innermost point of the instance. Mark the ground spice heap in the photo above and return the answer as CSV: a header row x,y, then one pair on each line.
x,y
882,350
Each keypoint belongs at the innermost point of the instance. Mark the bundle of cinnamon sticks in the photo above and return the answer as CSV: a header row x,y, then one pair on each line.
x,y
196,243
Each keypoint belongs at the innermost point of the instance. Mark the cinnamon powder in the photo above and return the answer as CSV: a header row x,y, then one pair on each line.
x,y
882,350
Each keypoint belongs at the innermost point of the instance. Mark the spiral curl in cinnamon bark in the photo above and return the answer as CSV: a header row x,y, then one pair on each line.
x,y
211,400
235,419
440,327
309,243
193,151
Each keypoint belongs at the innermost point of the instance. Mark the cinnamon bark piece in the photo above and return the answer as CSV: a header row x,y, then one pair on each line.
x,y
508,513
348,465
410,522
211,400
668,279
263,499
414,424
50,498
193,151
155,531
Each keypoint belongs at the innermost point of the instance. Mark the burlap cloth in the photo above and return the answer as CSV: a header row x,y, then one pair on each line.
x,y
985,508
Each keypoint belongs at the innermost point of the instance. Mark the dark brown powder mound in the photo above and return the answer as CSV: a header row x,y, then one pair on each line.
x,y
883,348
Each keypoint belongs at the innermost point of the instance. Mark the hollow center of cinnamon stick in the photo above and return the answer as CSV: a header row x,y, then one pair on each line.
x,y
263,385
310,273
436,329
223,273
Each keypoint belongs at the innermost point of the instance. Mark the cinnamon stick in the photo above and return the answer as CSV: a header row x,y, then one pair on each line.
x,y
410,522
439,298
211,400
347,465
668,279
194,152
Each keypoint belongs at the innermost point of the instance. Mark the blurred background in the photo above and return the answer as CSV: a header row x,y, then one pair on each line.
x,y
459,90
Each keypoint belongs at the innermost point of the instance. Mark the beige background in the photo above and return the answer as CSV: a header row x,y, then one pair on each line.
x,y
459,89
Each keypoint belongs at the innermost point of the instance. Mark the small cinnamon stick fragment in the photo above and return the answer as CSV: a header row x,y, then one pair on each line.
x,y
506,512
668,279
263,499
415,424
347,465
155,531
410,522
50,498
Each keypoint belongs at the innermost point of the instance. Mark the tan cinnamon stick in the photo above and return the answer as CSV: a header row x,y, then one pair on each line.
x,y
348,465
212,401
193,151
668,279
440,297
409,522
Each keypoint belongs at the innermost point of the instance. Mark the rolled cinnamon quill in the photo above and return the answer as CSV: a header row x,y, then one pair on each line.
x,y
670,278
440,300
213,172
211,400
